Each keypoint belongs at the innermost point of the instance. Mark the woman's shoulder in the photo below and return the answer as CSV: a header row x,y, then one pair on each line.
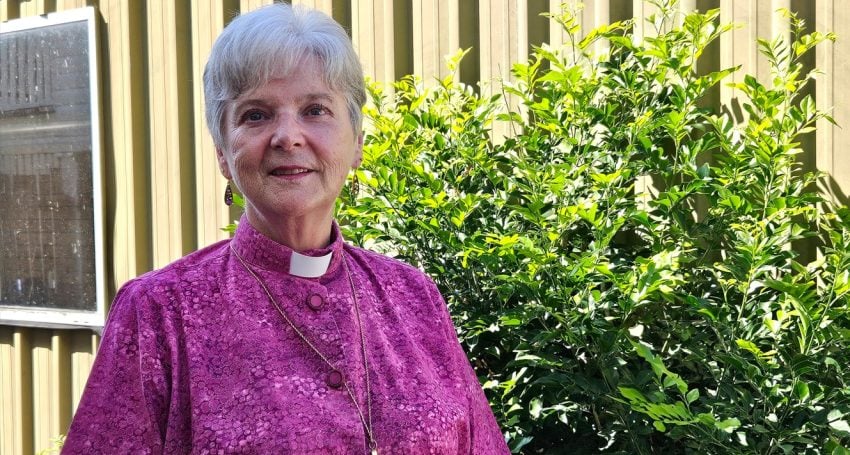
x,y
164,293
382,271
204,263
382,263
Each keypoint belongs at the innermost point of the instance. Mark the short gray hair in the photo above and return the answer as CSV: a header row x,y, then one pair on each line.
x,y
267,43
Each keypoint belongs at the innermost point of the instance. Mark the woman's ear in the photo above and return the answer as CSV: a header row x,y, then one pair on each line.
x,y
223,167
358,152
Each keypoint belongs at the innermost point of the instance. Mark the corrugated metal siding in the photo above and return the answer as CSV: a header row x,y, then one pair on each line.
x,y
162,181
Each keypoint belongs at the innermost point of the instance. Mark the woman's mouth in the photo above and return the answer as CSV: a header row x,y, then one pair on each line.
x,y
290,171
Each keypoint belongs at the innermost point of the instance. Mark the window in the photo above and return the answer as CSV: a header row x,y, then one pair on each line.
x,y
51,255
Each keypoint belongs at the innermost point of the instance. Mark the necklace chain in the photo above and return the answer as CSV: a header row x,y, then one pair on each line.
x,y
367,425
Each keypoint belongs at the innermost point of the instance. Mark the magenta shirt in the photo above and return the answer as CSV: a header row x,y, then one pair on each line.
x,y
195,359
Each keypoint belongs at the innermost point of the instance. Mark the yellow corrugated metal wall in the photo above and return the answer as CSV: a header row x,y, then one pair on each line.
x,y
162,182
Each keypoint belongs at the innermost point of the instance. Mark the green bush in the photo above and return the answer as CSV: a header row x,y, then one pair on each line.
x,y
620,266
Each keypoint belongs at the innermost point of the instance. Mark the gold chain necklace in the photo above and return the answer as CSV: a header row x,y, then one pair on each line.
x,y
373,446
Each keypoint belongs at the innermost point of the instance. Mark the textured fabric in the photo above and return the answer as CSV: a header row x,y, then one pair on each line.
x,y
195,359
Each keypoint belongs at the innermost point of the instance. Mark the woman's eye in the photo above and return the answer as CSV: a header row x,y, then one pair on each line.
x,y
253,116
318,109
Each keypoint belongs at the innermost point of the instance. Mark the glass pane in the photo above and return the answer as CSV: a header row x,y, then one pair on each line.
x,y
46,226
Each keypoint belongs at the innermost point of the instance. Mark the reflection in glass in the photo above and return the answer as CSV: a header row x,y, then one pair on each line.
x,y
46,217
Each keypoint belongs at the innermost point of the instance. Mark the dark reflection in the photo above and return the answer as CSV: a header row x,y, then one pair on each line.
x,y
46,216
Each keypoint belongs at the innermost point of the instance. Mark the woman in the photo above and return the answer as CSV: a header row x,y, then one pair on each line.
x,y
284,339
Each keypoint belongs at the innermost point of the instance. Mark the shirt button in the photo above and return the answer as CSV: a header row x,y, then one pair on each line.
x,y
334,379
315,302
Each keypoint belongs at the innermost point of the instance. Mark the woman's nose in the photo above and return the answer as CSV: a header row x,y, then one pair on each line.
x,y
287,133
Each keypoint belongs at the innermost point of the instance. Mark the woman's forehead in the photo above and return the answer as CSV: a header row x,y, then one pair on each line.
x,y
308,72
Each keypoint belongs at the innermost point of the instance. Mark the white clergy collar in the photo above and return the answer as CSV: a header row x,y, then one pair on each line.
x,y
309,266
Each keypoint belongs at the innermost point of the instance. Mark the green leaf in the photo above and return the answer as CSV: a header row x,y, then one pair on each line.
x,y
834,448
728,425
692,395
841,426
801,390
535,408
632,394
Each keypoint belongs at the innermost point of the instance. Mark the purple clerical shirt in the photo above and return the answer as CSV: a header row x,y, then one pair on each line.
x,y
196,359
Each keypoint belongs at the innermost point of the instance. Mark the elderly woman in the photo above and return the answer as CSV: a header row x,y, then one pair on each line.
x,y
284,339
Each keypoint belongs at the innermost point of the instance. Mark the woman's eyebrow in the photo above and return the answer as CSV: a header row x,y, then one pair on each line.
x,y
320,96
240,104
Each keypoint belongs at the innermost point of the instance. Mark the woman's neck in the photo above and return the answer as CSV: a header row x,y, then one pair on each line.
x,y
298,233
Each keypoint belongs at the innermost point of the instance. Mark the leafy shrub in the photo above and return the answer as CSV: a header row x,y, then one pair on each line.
x,y
607,317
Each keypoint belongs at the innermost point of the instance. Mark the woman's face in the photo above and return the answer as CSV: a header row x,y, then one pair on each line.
x,y
288,146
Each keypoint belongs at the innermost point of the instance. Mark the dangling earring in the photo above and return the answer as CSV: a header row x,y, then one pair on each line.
x,y
354,186
228,195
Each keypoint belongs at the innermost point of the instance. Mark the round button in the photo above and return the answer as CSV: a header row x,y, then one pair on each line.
x,y
334,379
315,302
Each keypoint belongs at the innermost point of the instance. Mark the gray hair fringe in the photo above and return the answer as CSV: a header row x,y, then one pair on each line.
x,y
269,42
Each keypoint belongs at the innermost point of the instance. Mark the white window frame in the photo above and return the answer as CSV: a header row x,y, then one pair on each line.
x,y
57,317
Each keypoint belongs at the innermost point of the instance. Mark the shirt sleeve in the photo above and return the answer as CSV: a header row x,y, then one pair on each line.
x,y
124,405
485,434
